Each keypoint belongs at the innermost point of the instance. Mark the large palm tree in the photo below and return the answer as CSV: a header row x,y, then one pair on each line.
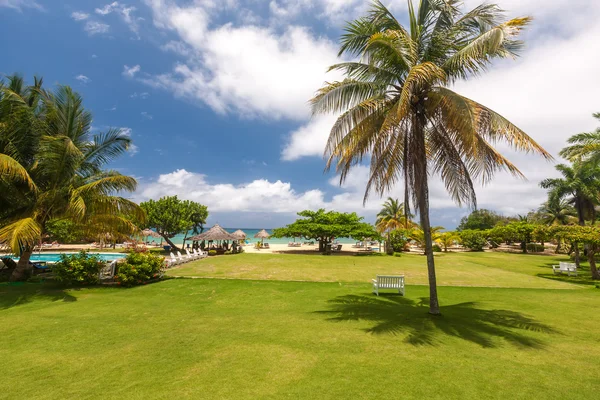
x,y
556,211
398,111
63,177
584,146
392,216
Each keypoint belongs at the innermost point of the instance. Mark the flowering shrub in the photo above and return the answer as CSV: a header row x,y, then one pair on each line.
x,y
139,268
81,268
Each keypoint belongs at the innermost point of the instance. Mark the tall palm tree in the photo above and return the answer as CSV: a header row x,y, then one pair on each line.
x,y
392,216
584,146
556,211
397,109
581,185
65,176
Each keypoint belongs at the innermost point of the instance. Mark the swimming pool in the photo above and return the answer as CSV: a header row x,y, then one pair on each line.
x,y
55,257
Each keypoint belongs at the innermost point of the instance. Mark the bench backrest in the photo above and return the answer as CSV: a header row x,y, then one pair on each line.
x,y
565,266
390,280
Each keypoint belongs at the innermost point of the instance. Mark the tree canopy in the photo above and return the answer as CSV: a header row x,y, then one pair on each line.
x,y
480,220
324,226
170,216
52,166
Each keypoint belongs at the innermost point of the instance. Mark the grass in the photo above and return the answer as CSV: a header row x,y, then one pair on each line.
x,y
235,339
268,337
453,269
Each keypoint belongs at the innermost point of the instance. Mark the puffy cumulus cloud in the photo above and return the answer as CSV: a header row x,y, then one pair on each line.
x,y
257,72
309,139
257,196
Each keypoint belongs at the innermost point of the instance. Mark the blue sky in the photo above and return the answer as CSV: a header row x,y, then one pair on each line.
x,y
214,95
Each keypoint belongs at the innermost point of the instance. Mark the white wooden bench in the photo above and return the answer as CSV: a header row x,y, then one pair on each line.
x,y
565,267
388,282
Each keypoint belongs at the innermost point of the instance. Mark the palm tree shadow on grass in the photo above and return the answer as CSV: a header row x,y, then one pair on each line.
x,y
12,295
394,315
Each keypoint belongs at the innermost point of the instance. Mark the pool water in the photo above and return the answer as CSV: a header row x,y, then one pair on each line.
x,y
55,257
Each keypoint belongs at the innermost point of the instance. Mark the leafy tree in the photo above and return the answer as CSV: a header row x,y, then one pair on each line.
x,y
170,216
588,235
324,226
398,111
584,146
63,230
481,219
473,240
52,167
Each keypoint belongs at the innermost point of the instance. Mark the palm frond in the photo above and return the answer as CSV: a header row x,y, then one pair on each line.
x,y
21,234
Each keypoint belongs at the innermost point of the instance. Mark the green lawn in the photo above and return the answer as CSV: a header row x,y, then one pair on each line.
x,y
234,339
453,269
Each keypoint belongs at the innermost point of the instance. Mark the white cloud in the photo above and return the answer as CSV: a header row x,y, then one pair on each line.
x,y
20,4
146,115
131,71
126,13
133,149
260,72
83,79
126,131
177,47
79,16
143,95
309,139
94,56
95,28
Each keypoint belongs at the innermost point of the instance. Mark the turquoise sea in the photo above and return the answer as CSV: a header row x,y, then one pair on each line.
x,y
178,240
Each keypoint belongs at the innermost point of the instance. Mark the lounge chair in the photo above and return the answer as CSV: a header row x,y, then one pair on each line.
x,y
182,258
108,272
200,253
174,259
192,256
265,246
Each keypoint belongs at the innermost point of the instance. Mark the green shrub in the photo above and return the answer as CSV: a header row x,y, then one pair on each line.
x,y
212,252
81,269
436,248
473,240
228,252
535,247
399,240
139,268
397,254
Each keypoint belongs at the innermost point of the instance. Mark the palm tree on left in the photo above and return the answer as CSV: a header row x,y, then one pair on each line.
x,y
52,166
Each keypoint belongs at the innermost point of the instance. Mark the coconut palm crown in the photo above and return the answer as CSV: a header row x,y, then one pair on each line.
x,y
52,167
397,112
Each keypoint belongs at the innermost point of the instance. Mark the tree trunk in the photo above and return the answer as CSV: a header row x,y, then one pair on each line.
x,y
524,247
576,250
321,245
592,261
169,242
388,245
23,270
422,191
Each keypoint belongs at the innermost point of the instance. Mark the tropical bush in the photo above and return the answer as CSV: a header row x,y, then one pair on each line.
x,y
436,248
139,268
78,269
212,252
473,240
399,240
535,247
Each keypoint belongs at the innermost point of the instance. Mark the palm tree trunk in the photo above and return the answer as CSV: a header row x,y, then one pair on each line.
x,y
558,243
420,159
22,270
170,243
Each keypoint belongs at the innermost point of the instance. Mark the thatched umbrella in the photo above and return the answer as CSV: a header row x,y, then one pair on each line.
x,y
239,234
150,233
262,235
214,233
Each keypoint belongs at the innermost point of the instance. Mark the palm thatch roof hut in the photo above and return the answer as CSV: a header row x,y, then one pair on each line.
x,y
150,232
214,233
262,235
240,234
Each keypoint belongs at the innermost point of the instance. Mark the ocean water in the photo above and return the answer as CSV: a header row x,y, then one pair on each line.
x,y
178,240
